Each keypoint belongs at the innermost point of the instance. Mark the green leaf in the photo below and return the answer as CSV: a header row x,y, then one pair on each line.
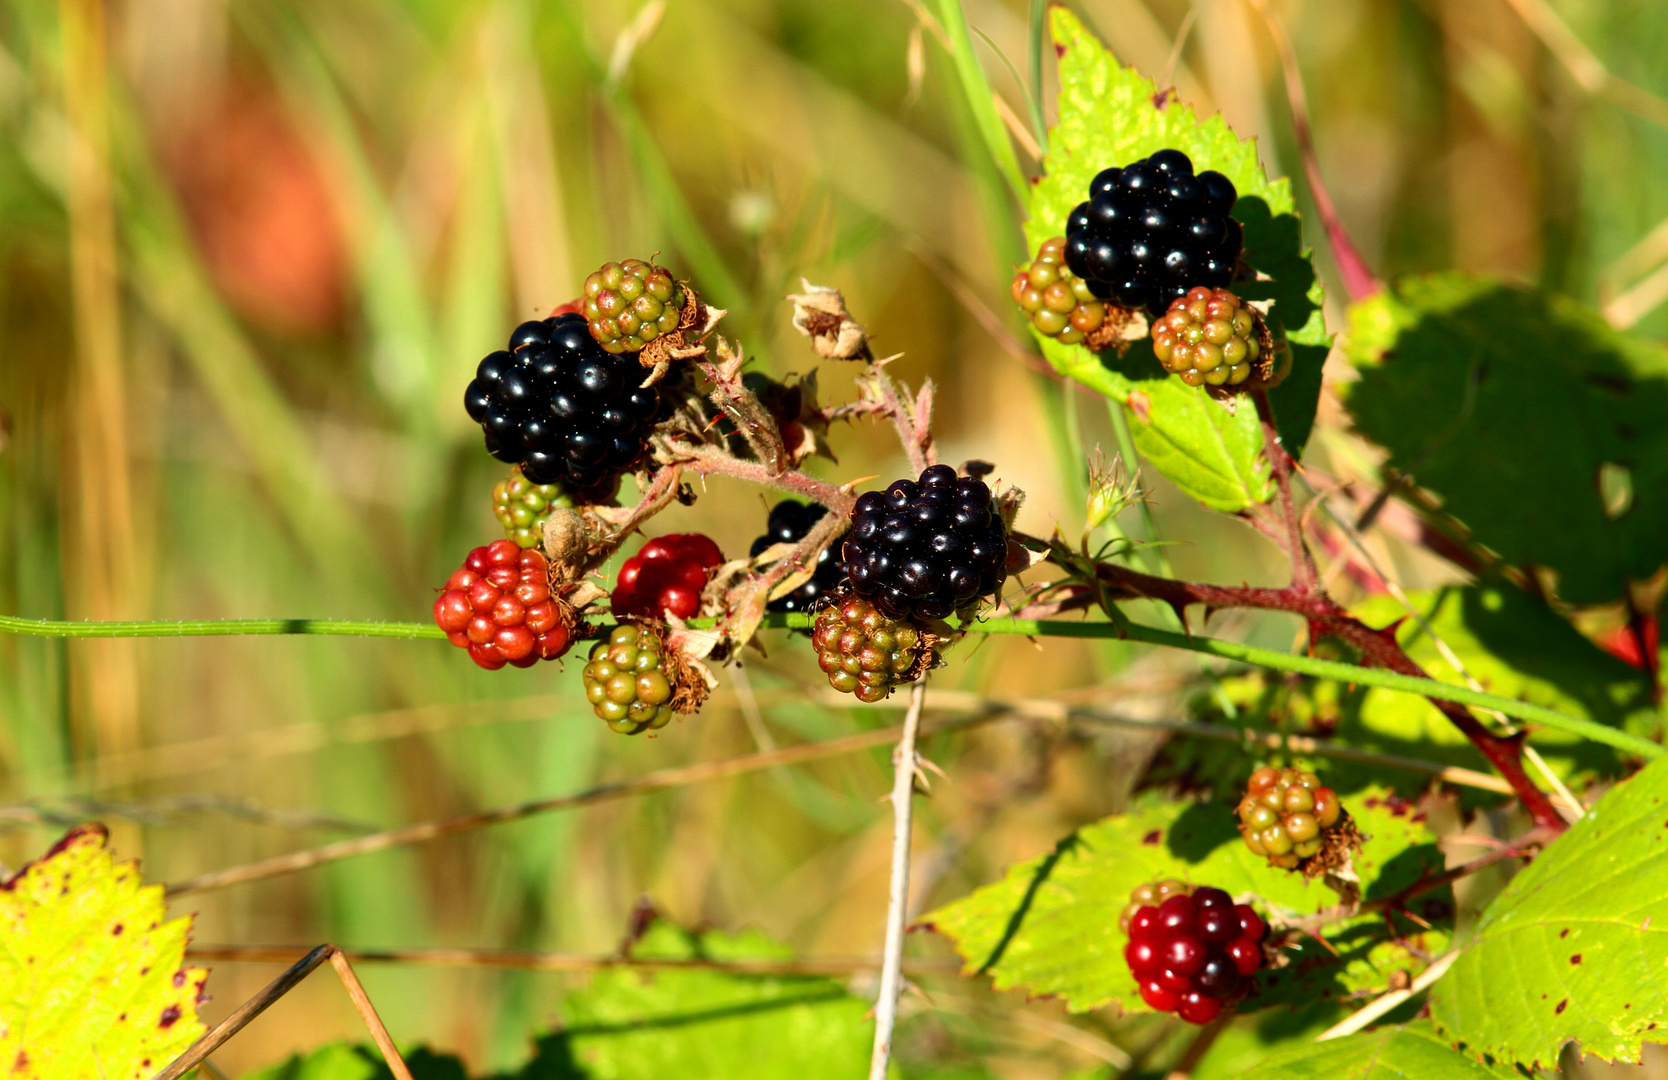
x,y
1050,927
1507,403
1412,1051
345,1061
1514,646
92,982
1110,115
1575,947
642,1024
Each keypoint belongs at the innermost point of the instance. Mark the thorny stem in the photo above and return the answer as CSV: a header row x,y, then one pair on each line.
x,y
897,905
710,461
1305,578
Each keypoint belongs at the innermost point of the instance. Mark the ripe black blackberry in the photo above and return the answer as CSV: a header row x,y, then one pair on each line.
x,y
563,409
924,548
1152,230
788,524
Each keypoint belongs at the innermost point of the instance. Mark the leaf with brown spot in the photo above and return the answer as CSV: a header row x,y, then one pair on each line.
x,y
84,993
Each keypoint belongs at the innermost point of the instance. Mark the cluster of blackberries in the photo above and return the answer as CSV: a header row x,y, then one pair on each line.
x,y
1152,230
625,681
1285,814
498,606
924,548
789,522
1191,951
666,576
862,651
565,410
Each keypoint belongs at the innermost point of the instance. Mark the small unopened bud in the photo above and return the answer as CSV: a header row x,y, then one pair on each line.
x,y
1110,491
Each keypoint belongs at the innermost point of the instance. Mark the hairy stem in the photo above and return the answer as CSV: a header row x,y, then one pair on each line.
x,y
711,461
897,904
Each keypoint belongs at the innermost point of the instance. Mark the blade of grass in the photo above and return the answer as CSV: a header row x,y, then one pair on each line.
x,y
978,94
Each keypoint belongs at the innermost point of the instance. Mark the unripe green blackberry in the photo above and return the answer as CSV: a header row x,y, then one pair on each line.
x,y
1209,338
626,683
863,652
521,506
629,304
1286,814
1057,301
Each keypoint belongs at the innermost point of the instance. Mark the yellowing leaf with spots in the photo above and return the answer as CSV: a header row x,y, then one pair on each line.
x,y
92,985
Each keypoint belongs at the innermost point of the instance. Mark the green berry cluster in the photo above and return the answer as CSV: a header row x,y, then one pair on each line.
x,y
521,506
629,304
626,683
1208,338
1285,814
862,651
1057,301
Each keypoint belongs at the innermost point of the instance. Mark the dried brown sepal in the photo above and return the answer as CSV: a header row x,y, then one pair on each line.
x,y
687,342
1117,331
685,653
820,314
1335,860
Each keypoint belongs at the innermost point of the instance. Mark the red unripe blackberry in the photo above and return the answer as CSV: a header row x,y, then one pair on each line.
x,y
1285,815
1209,338
626,680
665,577
629,304
521,506
498,606
1191,950
924,548
865,653
1056,301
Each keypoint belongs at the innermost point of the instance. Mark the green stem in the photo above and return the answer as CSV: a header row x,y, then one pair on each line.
x,y
976,88
1150,635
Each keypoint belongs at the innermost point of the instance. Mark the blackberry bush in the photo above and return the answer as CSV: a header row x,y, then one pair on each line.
x,y
665,577
521,506
498,606
1152,230
563,409
864,652
1192,950
789,523
1057,302
629,304
925,548
626,680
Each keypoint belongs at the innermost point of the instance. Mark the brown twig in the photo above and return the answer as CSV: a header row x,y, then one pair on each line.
x,y
216,1036
573,962
661,780
1199,1047
367,1013
904,768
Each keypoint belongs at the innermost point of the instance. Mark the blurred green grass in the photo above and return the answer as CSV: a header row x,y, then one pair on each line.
x,y
288,229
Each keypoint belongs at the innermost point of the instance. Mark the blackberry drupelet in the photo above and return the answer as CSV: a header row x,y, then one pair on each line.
x,y
925,548
1191,950
789,522
1152,230
563,409
629,304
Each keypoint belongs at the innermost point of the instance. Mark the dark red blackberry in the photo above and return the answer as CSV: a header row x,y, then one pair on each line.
x,y
498,606
924,548
565,410
788,524
1192,951
666,577
1152,230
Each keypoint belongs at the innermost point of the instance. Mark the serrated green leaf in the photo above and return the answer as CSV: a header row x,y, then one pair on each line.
x,y
1050,927
642,1024
1514,646
1411,1051
1110,115
1576,947
92,982
1507,402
